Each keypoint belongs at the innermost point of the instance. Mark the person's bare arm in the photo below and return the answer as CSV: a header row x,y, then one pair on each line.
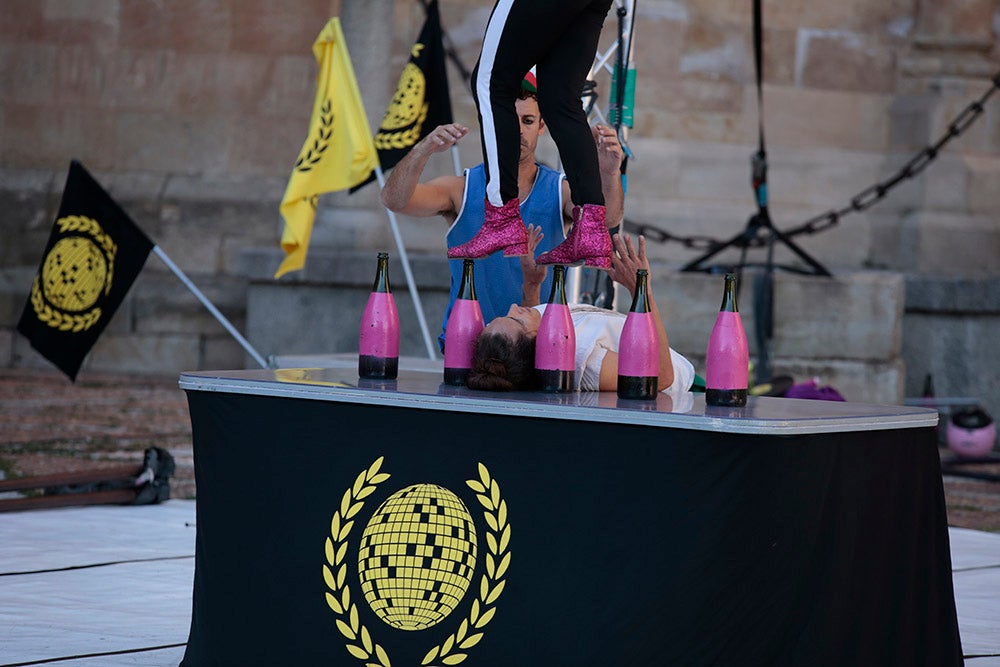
x,y
609,155
403,191
624,263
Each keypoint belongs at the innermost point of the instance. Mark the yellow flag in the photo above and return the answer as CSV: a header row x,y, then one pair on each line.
x,y
339,152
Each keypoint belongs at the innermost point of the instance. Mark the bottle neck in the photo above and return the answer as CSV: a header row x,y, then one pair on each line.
x,y
729,295
558,293
381,283
640,300
467,290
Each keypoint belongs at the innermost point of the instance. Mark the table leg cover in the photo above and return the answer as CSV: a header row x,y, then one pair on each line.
x,y
587,544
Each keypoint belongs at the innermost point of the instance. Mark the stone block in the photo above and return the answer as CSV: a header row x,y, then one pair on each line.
x,y
223,353
288,95
844,60
164,291
322,319
26,72
947,23
660,56
810,118
854,316
716,52
779,55
203,27
911,114
272,153
194,253
134,190
47,135
170,142
933,242
983,193
262,25
953,296
144,353
22,22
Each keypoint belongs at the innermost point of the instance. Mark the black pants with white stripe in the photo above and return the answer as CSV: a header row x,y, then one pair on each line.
x,y
559,38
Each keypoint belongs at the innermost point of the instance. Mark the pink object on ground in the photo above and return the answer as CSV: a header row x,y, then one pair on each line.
x,y
971,433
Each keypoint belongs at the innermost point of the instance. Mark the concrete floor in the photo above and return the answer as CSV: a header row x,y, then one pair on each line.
x,y
110,586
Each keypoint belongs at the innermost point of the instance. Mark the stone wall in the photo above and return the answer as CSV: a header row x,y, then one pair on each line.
x,y
192,114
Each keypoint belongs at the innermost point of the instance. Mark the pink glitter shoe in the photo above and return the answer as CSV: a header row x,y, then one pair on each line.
x,y
502,228
588,241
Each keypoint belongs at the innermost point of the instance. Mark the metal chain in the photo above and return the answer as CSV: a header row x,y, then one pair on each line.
x,y
859,202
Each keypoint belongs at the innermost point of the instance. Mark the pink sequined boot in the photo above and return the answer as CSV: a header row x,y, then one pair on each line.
x,y
588,242
502,228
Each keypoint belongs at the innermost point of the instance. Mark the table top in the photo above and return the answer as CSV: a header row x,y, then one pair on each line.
x,y
420,386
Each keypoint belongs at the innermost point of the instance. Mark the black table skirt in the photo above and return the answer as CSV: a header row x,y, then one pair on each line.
x,y
628,545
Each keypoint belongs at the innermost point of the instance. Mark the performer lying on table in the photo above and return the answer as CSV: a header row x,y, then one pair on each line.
x,y
505,350
544,200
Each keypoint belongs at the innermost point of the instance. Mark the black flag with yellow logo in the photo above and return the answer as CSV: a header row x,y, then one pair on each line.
x,y
92,258
421,101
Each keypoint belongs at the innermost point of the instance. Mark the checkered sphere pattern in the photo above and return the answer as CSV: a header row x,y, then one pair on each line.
x,y
417,556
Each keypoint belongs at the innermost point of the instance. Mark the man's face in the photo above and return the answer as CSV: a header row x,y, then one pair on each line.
x,y
531,127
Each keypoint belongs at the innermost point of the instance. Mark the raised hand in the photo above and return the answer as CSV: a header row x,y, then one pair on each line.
x,y
533,273
626,260
609,150
444,137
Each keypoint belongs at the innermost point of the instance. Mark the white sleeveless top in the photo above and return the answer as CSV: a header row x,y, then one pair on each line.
x,y
598,331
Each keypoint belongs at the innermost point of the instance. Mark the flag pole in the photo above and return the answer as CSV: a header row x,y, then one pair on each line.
x,y
211,308
406,269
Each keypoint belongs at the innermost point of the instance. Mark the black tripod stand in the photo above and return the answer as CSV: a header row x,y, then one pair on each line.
x,y
760,225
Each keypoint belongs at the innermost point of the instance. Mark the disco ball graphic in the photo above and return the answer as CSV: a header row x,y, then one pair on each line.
x,y
417,556
73,274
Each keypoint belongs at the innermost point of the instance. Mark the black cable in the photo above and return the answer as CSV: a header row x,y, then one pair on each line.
x,y
70,568
84,656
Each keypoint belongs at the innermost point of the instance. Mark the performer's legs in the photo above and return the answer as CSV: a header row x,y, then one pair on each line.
x,y
561,75
509,51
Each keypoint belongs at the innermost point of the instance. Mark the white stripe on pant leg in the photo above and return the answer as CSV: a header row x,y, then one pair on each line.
x,y
491,40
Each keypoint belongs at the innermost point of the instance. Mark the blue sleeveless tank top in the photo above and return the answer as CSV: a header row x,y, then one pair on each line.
x,y
498,278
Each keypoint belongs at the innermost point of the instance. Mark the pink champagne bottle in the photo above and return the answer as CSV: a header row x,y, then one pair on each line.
x,y
555,345
639,347
378,347
727,358
464,325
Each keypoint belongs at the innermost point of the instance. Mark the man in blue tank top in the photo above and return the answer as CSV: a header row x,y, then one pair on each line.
x,y
543,193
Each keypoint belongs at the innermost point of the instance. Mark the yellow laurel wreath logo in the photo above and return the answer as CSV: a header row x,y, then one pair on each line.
x,y
311,156
409,95
403,138
492,583
74,273
338,597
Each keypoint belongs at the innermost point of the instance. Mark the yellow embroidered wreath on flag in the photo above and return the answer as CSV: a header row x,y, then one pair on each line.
x,y
337,154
